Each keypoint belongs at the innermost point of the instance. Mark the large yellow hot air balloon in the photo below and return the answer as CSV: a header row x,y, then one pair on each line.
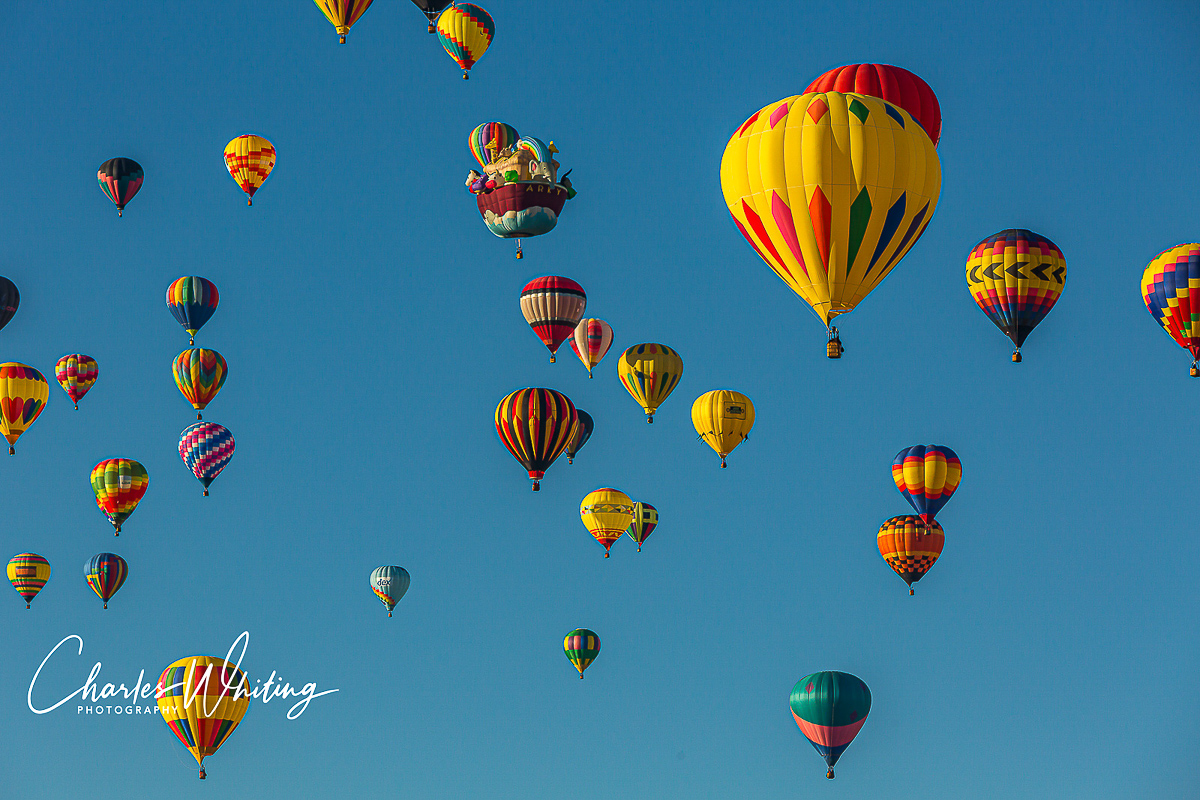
x,y
249,159
831,190
607,514
202,699
342,14
23,395
650,372
723,418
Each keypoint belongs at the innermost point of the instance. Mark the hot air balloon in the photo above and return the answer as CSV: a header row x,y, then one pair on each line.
x,y
536,426
910,545
10,298
1167,290
1016,277
28,573
206,448
199,374
650,372
119,484
466,31
342,14
830,708
645,520
583,432
192,300
105,573
390,584
590,341
553,306
249,159
431,9
723,418
488,139
831,190
120,179
202,699
607,514
76,373
23,395
581,646
927,476
896,85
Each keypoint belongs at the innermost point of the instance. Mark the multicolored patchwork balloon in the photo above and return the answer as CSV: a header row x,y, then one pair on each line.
x,y
1171,291
106,574
590,341
390,584
202,699
206,448
1016,277
199,374
553,306
28,573
192,300
581,646
830,708
536,426
583,432
342,14
650,372
896,85
249,159
23,395
645,520
488,139
910,546
120,179
76,373
466,31
723,419
927,476
607,514
119,484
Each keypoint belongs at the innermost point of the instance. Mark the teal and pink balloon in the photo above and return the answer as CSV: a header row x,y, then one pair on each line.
x,y
830,708
106,574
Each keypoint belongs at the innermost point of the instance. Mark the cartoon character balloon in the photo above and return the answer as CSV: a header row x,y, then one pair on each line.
x,y
723,418
390,584
831,190
553,306
650,372
23,396
583,432
896,85
487,140
202,699
607,514
199,374
249,159
192,300
342,14
830,709
927,476
119,484
105,574
206,449
120,179
1016,277
466,32
645,520
76,373
536,426
28,573
910,546
581,646
1167,289
590,341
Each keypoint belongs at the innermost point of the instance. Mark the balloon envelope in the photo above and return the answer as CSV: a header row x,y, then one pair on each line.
x,y
342,14
106,574
120,179
650,372
23,396
192,300
76,373
28,573
466,31
249,159
590,340
489,139
581,646
896,85
645,520
830,709
10,299
536,426
1016,276
390,584
723,418
119,484
583,432
206,449
910,546
1167,291
927,476
199,374
202,700
553,306
607,514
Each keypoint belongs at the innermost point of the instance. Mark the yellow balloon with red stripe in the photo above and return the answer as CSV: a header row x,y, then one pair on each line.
x,y
607,514
342,14
831,190
466,32
202,699
23,394
249,159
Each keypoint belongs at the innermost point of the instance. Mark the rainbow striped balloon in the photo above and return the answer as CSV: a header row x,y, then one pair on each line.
x,y
28,573
106,574
489,139
119,484
199,374
206,448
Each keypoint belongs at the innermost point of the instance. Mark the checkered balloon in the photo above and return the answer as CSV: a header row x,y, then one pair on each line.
x,y
206,448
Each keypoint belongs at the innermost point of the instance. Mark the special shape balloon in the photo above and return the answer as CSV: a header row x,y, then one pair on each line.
x,y
830,709
199,374
120,179
431,9
650,372
553,306
896,85
390,584
583,432
831,190
1016,277
645,520
249,159
536,426
206,449
607,514
76,373
488,139
192,300
119,484
723,418
106,574
466,32
28,573
581,646
590,341
202,699
1169,289
342,14
927,476
23,396
910,546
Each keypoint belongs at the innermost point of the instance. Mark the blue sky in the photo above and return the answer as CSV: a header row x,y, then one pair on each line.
x,y
371,324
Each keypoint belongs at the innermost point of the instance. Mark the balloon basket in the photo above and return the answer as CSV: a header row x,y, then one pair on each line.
x,y
77,406
833,348
1016,356
118,212
581,676
1195,370
570,460
466,75
389,615
829,774
606,554
206,492
249,201
911,591
520,253
204,774
536,487
106,606
341,40
12,451
650,419
431,28
198,415
27,606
